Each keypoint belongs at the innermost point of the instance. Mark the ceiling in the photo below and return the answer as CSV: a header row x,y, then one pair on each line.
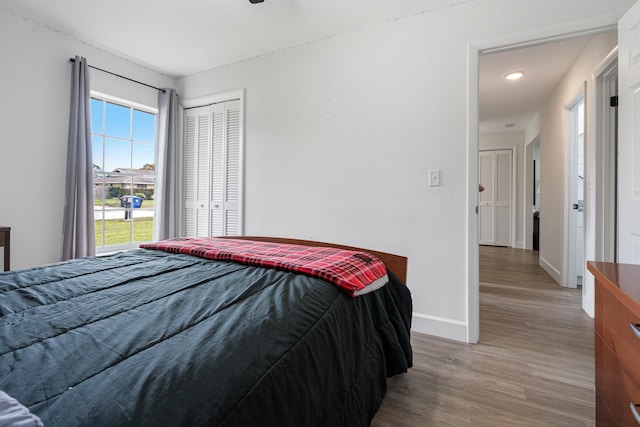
x,y
185,37
507,105
180,38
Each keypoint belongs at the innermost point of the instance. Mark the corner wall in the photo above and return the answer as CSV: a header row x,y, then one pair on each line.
x,y
554,205
34,112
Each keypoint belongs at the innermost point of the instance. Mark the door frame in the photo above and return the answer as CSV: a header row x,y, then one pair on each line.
x,y
474,49
601,216
606,172
528,185
570,187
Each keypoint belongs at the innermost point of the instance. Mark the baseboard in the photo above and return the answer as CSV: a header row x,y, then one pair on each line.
x,y
439,327
520,245
588,290
553,272
588,306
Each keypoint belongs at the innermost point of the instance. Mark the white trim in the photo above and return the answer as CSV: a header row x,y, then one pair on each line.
x,y
606,63
604,156
440,327
540,36
472,250
528,193
549,268
514,193
600,208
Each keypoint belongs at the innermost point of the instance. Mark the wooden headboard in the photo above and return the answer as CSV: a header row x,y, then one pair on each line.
x,y
396,263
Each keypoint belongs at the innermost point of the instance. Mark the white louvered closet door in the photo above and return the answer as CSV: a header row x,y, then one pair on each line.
x,y
495,207
212,170
196,131
486,203
233,162
188,178
216,191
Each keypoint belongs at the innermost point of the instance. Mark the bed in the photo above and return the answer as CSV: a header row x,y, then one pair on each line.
x,y
154,337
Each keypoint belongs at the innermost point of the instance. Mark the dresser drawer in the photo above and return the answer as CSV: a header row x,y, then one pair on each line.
x,y
612,323
614,385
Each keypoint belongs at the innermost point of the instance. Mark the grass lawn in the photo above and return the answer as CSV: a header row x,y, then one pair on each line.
x,y
118,231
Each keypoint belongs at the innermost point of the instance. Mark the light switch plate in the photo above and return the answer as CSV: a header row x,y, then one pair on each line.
x,y
434,177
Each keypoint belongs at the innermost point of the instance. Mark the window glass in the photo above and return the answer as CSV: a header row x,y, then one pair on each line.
x,y
118,121
144,126
117,154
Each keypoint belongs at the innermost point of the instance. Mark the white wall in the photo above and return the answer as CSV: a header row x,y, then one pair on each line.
x,y
341,133
490,141
34,117
340,136
553,150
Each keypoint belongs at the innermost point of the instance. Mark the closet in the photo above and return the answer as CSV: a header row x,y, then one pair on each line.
x,y
212,174
495,207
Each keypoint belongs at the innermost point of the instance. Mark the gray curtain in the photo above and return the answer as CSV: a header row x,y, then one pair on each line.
x,y
167,209
78,224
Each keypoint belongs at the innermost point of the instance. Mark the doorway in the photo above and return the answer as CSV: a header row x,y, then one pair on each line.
x,y
551,237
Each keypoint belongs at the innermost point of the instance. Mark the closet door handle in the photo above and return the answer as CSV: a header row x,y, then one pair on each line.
x,y
634,411
635,328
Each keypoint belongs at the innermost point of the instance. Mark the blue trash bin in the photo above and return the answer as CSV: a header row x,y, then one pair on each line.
x,y
137,202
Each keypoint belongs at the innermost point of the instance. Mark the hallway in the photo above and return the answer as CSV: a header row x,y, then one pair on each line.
x,y
533,366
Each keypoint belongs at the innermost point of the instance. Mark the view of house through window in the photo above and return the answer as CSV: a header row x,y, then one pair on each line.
x,y
123,136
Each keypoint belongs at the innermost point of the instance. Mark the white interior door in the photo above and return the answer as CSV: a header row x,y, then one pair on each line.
x,y
196,146
495,207
629,136
486,205
503,197
213,170
575,132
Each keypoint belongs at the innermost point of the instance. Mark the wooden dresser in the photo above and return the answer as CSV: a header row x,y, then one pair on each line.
x,y
617,343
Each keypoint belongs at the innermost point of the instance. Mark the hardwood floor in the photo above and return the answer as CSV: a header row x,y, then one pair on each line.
x,y
533,366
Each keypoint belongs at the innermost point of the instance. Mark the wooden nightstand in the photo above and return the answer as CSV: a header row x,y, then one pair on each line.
x,y
5,241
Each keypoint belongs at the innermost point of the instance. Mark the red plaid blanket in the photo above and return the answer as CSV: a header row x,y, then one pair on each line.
x,y
355,273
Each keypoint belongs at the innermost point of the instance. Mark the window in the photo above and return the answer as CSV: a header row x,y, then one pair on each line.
x,y
123,136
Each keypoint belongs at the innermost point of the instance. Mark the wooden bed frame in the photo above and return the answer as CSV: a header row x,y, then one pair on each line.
x,y
396,263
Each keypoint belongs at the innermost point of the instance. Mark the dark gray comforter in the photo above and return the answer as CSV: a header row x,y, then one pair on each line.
x,y
151,338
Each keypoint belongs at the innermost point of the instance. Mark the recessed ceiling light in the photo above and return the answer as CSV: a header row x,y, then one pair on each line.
x,y
514,75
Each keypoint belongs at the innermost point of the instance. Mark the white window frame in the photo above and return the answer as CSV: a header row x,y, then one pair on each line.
x,y
101,250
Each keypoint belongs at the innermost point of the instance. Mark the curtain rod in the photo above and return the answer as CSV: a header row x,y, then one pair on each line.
x,y
122,77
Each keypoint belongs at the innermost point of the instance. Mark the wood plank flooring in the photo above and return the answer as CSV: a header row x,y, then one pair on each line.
x,y
533,366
